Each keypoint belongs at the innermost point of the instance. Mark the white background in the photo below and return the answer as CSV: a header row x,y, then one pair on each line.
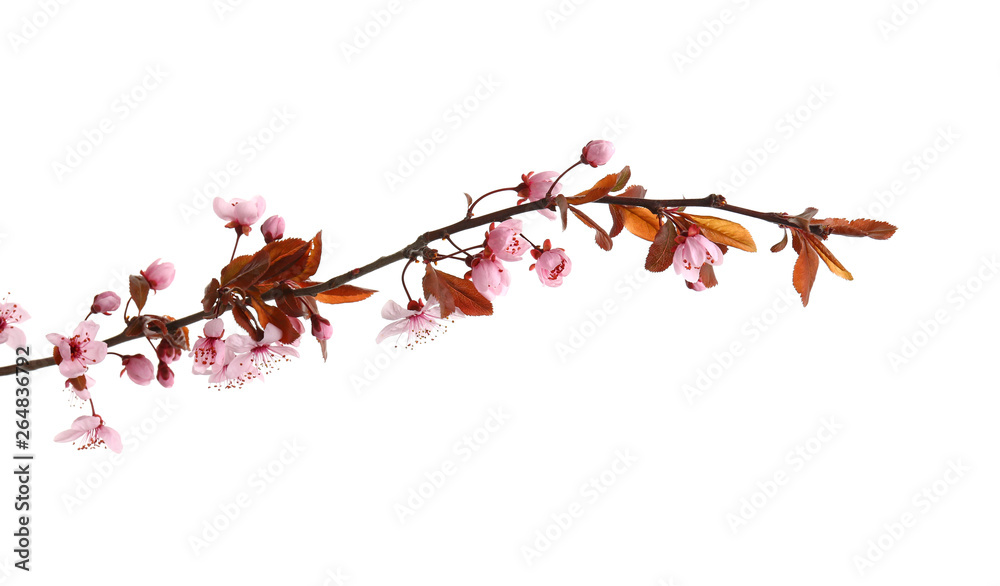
x,y
578,384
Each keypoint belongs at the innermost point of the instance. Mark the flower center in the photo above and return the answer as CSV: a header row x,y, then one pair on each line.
x,y
557,270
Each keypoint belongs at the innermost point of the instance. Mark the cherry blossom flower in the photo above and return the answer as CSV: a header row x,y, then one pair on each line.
x,y
490,277
77,352
94,433
139,369
253,359
209,352
693,251
597,152
534,186
506,241
11,313
240,213
273,228
419,322
164,375
321,327
105,303
81,391
159,275
552,265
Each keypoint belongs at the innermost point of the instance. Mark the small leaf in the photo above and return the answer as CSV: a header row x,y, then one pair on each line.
x,y
661,251
641,222
345,294
288,258
804,274
315,254
623,176
246,321
707,276
138,288
617,220
563,209
602,188
468,200
211,296
245,271
831,261
601,237
862,227
455,293
781,245
633,191
269,314
725,232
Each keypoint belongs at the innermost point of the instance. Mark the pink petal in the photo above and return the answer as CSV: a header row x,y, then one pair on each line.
x,y
393,310
394,329
215,328
111,438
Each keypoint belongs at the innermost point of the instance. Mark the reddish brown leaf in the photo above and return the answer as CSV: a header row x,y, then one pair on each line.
x,y
723,231
661,251
345,294
211,295
454,293
707,275
641,222
138,288
601,237
563,210
781,245
831,261
804,274
602,188
862,227
617,220
245,271
315,254
246,321
288,259
269,314
623,176
634,191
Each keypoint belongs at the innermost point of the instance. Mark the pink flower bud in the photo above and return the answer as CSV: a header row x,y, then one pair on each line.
x,y
139,369
552,266
167,353
105,303
597,152
159,275
273,229
164,375
321,327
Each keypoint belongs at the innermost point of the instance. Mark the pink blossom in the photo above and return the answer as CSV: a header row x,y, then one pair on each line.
x,y
159,275
506,241
81,393
597,152
164,375
552,266
139,369
273,228
240,213
321,327
209,352
254,359
693,251
94,433
11,313
490,277
419,322
535,186
77,352
105,303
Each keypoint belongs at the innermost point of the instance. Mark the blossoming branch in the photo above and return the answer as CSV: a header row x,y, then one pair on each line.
x,y
270,294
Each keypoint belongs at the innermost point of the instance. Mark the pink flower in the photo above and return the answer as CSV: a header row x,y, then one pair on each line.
x,y
535,186
94,433
254,359
273,228
321,327
506,242
105,303
240,213
597,152
693,251
159,275
81,391
209,352
77,352
552,265
164,375
418,321
10,313
139,369
490,277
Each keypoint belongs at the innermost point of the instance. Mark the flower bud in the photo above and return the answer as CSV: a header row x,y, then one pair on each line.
x,y
164,375
273,229
159,275
139,369
105,303
597,152
321,327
